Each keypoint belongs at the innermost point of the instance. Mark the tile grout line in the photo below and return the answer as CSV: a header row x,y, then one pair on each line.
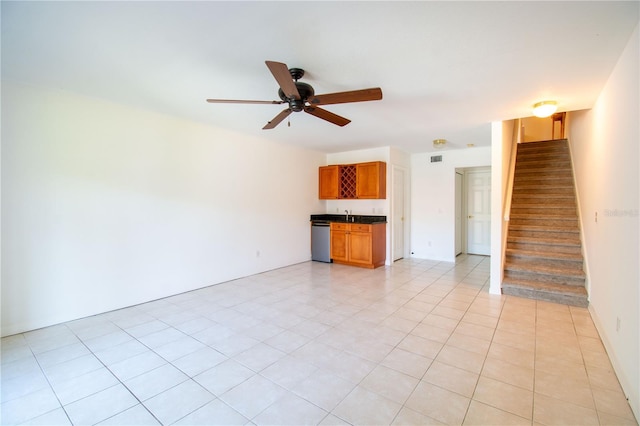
x,y
48,382
114,375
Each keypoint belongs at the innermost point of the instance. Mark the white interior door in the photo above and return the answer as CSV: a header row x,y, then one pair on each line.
x,y
478,211
398,218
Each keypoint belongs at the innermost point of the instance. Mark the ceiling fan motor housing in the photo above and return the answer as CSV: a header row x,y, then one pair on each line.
x,y
305,90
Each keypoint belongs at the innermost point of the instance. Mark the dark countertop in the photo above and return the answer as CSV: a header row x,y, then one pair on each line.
x,y
369,220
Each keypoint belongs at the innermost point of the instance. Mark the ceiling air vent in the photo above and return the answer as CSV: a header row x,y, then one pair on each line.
x,y
436,158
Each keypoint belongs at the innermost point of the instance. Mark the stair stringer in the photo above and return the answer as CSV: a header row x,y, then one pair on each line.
x,y
585,253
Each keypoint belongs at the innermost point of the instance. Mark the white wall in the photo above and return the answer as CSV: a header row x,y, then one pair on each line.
x,y
105,206
433,200
604,145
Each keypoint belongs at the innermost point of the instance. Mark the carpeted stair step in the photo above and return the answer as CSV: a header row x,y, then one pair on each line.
x,y
544,210
540,146
543,175
543,226
548,275
548,265
532,169
544,255
561,267
524,218
556,293
534,198
571,241
544,247
541,186
541,165
536,180
548,189
548,153
543,201
544,234
544,231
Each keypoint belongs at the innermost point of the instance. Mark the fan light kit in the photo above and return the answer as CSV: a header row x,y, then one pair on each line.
x,y
545,108
302,97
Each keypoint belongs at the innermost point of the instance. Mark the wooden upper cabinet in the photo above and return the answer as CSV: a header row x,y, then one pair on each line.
x,y
371,180
352,181
328,179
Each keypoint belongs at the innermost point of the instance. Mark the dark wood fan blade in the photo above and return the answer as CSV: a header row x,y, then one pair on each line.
x,y
326,115
374,94
283,77
238,101
277,119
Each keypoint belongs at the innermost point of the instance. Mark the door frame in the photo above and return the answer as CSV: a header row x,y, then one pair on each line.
x,y
406,211
465,209
459,244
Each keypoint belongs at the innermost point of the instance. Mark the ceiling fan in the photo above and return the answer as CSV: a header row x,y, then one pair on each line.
x,y
301,97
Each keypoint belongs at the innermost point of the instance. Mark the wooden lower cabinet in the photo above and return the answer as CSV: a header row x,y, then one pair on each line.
x,y
358,244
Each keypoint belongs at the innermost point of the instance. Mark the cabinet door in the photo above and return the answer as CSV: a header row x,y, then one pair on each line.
x,y
339,245
328,182
371,180
360,247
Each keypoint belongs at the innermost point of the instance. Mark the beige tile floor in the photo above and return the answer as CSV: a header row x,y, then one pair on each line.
x,y
419,342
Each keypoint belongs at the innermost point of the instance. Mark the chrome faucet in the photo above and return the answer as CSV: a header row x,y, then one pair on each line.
x,y
347,212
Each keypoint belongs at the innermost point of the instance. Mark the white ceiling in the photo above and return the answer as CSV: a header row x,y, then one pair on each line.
x,y
446,69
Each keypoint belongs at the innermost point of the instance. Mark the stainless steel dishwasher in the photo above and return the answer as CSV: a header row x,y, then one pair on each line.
x,y
321,241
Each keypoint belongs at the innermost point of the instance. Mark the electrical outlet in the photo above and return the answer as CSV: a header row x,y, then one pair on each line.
x,y
257,253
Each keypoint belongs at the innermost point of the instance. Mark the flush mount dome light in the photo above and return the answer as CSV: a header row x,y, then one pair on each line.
x,y
545,108
439,143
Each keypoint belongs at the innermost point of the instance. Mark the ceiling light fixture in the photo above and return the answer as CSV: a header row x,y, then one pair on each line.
x,y
545,108
439,143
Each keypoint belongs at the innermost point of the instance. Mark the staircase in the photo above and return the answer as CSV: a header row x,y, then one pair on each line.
x,y
543,256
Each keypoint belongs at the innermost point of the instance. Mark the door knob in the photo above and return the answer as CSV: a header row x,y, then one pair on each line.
x,y
470,217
